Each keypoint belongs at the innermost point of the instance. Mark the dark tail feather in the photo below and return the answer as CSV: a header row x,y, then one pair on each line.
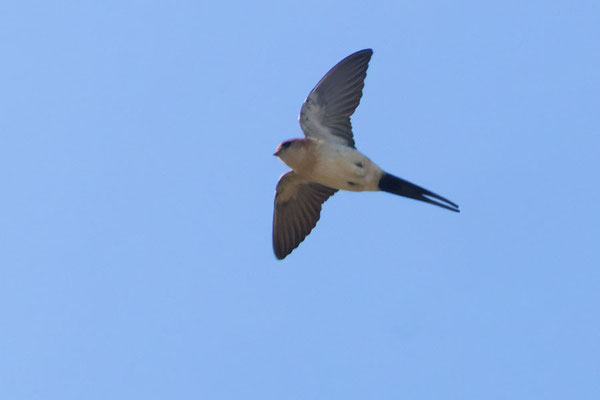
x,y
392,184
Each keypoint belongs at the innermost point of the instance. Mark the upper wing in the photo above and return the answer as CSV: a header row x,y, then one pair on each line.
x,y
326,111
297,210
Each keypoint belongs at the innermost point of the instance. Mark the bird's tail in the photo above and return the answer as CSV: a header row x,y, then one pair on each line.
x,y
392,184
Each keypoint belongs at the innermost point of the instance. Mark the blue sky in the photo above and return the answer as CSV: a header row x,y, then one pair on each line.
x,y
137,193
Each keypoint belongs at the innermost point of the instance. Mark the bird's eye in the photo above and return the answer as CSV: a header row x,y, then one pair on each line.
x,y
286,144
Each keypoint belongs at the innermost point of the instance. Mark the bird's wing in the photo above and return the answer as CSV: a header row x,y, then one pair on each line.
x,y
326,111
297,210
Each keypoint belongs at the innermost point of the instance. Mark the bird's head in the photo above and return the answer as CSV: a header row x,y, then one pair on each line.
x,y
283,146
290,151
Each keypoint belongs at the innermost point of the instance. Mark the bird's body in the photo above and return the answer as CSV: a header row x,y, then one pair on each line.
x,y
334,165
327,161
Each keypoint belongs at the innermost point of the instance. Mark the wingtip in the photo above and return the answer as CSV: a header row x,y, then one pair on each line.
x,y
365,51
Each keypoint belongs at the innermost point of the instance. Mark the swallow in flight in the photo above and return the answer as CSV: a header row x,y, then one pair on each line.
x,y
326,160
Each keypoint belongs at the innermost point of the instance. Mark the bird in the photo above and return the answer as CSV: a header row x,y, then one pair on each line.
x,y
326,159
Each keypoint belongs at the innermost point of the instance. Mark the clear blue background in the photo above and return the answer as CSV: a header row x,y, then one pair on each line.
x,y
137,183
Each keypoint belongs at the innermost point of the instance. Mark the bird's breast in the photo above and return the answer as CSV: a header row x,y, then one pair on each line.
x,y
342,167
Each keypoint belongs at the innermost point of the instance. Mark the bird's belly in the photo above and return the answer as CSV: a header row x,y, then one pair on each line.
x,y
346,169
